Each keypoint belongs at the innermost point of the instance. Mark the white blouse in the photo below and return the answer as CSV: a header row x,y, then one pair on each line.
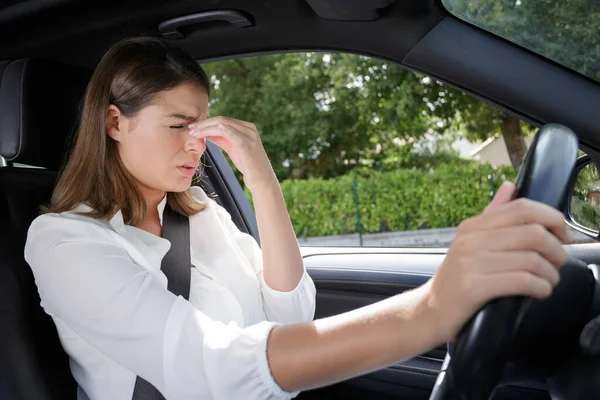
x,y
101,283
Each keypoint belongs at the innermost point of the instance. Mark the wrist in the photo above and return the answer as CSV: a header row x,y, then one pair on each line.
x,y
434,317
266,184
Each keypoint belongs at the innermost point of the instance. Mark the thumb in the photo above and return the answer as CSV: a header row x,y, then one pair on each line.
x,y
504,194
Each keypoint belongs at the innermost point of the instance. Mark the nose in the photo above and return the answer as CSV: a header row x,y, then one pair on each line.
x,y
195,145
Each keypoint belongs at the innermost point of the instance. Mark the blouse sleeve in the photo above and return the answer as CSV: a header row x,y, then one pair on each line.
x,y
297,305
91,284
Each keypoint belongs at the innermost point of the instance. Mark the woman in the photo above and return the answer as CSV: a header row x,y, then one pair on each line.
x,y
246,331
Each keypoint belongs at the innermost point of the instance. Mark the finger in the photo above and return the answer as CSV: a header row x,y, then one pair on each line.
x,y
221,142
246,124
527,261
504,194
228,132
243,127
519,212
515,283
228,120
530,238
232,125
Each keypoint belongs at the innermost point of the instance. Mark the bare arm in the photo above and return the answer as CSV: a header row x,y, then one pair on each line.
x,y
309,355
282,262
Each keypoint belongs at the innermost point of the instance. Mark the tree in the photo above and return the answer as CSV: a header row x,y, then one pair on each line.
x,y
320,114
476,120
565,31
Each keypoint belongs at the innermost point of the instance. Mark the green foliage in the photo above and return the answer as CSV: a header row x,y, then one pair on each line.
x,y
403,199
565,31
324,114
314,121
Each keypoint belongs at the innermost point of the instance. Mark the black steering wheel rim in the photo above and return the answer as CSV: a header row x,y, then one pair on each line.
x,y
478,357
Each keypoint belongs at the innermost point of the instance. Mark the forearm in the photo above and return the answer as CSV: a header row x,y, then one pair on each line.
x,y
282,262
305,356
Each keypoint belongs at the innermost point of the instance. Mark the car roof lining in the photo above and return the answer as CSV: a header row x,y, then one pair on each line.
x,y
278,24
419,34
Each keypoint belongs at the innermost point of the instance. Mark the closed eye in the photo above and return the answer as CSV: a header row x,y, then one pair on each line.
x,y
177,126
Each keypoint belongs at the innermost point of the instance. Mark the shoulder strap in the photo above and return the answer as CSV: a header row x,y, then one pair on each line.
x,y
176,265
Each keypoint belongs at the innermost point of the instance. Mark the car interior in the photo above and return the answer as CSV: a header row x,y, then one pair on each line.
x,y
48,50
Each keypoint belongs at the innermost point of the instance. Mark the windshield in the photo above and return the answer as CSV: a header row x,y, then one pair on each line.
x,y
566,31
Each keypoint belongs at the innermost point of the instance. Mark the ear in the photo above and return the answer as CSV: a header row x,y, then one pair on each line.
x,y
116,123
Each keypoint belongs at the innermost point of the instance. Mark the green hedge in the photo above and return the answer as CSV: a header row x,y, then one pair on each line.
x,y
405,199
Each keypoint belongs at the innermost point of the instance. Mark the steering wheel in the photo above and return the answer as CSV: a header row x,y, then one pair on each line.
x,y
476,363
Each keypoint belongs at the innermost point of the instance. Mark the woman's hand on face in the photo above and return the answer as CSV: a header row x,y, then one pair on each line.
x,y
241,141
512,248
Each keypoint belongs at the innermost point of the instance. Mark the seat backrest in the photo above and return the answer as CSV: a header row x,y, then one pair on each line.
x,y
39,100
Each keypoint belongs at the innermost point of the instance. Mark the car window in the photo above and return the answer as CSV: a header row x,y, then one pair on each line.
x,y
369,153
563,31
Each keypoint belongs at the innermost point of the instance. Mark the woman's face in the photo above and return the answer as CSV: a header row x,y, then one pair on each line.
x,y
155,145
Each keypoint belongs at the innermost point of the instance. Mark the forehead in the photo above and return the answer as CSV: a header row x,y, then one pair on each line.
x,y
187,99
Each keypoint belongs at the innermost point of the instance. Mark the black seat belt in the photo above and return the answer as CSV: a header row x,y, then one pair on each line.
x,y
176,265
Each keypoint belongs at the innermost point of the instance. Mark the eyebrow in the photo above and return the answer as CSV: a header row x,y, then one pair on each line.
x,y
182,116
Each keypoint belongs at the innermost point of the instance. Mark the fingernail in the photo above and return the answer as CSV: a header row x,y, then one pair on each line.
x,y
192,126
192,132
504,186
221,126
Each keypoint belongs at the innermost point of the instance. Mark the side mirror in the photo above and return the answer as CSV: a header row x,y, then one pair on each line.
x,y
582,211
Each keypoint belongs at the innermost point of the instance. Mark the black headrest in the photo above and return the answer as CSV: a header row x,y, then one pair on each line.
x,y
39,106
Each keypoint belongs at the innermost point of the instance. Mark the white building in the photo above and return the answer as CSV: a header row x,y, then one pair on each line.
x,y
494,151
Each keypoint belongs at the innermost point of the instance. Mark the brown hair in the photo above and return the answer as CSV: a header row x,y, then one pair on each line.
x,y
129,76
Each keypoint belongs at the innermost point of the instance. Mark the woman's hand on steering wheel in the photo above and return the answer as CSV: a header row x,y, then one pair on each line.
x,y
512,248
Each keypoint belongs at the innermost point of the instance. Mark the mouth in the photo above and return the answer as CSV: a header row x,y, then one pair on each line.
x,y
192,166
188,170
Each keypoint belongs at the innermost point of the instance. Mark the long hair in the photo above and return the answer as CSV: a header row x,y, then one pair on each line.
x,y
130,75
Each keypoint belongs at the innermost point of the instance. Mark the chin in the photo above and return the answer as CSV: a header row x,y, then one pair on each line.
x,y
181,185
